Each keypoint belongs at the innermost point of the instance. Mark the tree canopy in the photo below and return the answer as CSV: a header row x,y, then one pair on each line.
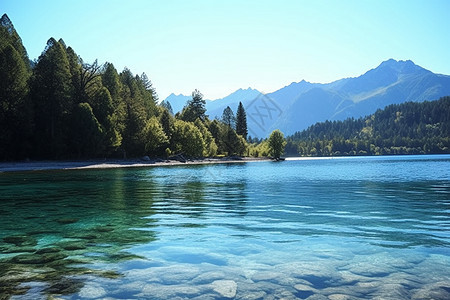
x,y
277,143
241,121
61,107
407,128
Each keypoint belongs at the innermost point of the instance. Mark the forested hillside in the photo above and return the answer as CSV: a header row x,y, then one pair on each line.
x,y
61,107
408,128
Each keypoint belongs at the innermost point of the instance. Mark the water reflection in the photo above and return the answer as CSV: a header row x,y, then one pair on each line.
x,y
56,225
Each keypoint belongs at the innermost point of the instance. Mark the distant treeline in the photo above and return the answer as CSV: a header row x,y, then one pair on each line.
x,y
60,107
408,128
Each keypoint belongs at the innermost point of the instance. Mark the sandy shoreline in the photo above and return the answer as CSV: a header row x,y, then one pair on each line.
x,y
110,164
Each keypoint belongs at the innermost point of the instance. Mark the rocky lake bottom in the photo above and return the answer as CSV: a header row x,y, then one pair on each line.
x,y
361,228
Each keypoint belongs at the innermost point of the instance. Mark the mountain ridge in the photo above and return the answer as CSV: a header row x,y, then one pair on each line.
x,y
301,104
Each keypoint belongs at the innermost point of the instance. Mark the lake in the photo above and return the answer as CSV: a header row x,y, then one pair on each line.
x,y
341,228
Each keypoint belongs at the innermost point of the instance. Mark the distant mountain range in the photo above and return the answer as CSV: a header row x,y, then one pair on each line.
x,y
215,107
301,104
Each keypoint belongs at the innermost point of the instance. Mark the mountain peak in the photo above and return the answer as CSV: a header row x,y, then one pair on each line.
x,y
400,66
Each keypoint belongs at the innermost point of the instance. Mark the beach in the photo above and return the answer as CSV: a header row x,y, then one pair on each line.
x,y
23,166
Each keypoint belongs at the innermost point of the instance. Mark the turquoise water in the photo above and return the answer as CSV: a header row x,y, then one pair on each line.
x,y
343,228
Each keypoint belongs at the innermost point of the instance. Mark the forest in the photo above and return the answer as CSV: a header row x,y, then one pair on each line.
x,y
61,107
407,128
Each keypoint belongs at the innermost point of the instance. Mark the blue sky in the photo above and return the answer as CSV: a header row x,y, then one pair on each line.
x,y
221,46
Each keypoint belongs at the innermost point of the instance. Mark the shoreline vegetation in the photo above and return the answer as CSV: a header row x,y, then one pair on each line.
x,y
24,166
91,110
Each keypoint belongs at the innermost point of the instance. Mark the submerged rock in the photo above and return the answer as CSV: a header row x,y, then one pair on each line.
x,y
37,258
71,246
17,250
47,250
20,240
107,228
65,286
341,297
92,291
438,291
67,221
226,288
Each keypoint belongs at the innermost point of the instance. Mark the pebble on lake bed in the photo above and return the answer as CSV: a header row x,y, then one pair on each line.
x,y
226,288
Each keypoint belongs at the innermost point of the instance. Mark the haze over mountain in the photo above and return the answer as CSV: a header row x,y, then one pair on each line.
x,y
301,104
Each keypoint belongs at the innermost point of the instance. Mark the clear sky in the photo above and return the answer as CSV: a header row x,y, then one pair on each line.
x,y
221,46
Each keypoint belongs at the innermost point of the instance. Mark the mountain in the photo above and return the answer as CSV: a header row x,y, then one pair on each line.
x,y
392,82
215,108
301,104
177,101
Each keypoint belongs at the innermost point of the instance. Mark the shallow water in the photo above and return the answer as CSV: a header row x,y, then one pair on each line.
x,y
344,228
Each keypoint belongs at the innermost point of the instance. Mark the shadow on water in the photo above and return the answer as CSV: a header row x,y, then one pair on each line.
x,y
58,226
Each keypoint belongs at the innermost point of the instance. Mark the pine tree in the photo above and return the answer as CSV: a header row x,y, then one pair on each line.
x,y
195,108
166,105
166,121
15,109
51,92
241,121
87,132
228,117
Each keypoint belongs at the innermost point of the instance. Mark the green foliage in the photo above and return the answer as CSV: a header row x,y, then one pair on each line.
x,y
195,108
228,117
103,109
166,105
87,132
241,121
277,143
408,128
15,109
187,139
154,138
210,144
260,149
51,91
167,123
64,107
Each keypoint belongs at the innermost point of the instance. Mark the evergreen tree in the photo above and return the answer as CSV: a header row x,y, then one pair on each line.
x,y
87,132
166,105
103,110
149,87
218,130
136,114
195,108
51,91
210,144
15,109
10,36
111,80
241,121
167,121
228,117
